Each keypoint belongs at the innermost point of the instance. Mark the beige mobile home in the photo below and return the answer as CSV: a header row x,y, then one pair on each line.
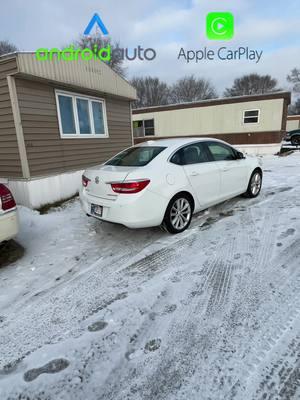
x,y
292,123
56,119
255,124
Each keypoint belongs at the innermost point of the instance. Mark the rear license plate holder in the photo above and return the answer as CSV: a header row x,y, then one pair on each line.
x,y
96,210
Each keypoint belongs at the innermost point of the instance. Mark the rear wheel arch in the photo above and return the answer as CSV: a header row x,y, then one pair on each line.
x,y
167,224
252,171
257,169
186,193
248,192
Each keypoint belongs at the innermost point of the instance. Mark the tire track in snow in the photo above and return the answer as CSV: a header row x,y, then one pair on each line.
x,y
261,279
220,282
197,303
281,377
273,315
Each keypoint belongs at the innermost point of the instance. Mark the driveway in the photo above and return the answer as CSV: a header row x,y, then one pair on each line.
x,y
97,311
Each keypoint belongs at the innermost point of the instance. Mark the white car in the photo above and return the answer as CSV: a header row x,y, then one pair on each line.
x,y
9,225
163,182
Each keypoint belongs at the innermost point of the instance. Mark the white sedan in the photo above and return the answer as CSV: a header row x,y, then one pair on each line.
x,y
9,226
163,182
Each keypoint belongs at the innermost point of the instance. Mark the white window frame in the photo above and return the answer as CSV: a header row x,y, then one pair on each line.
x,y
77,134
251,123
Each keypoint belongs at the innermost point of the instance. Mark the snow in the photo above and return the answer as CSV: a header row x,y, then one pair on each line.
x,y
98,311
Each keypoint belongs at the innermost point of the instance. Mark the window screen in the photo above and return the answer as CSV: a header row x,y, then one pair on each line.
x,y
83,116
66,114
251,117
149,127
98,117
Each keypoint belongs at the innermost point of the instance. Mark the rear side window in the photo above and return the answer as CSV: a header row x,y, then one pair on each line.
x,y
136,156
192,154
221,152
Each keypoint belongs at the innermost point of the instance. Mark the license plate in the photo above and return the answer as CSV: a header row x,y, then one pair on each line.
x,y
96,210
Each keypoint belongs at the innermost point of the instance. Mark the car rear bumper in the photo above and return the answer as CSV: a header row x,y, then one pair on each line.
x,y
9,225
142,210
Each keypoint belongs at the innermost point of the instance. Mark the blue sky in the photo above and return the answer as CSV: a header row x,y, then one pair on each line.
x,y
166,25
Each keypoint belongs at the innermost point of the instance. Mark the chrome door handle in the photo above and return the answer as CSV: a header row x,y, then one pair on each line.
x,y
194,173
225,169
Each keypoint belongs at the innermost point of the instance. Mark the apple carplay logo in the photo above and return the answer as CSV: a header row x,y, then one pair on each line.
x,y
219,26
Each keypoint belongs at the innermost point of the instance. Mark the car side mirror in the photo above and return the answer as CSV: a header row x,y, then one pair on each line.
x,y
240,155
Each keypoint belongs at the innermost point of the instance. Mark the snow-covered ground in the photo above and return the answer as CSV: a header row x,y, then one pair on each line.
x,y
97,311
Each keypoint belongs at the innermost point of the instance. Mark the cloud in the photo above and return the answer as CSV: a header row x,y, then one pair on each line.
x,y
162,21
277,63
166,26
256,30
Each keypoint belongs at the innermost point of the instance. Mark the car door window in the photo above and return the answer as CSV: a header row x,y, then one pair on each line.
x,y
192,154
221,152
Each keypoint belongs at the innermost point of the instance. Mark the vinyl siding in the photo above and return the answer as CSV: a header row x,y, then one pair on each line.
x,y
292,124
47,152
218,119
10,164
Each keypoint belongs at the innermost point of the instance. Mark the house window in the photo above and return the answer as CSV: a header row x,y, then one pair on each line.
x,y
149,127
81,116
67,114
251,117
143,128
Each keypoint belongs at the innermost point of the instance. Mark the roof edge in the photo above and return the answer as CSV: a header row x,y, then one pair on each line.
x,y
295,117
8,56
27,65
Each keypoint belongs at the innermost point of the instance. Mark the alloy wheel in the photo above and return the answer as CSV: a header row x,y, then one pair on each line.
x,y
255,183
180,213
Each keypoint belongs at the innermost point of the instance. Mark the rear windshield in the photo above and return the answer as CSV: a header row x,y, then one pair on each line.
x,y
136,156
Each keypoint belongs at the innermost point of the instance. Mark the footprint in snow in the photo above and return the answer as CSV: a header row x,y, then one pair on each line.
x,y
288,232
51,367
169,308
152,345
97,326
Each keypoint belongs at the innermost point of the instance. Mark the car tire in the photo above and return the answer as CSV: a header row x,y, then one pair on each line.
x,y
255,183
295,140
178,214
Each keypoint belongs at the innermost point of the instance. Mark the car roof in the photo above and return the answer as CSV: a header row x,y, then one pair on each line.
x,y
177,142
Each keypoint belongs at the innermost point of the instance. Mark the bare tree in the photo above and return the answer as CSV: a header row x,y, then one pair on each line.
x,y
294,78
252,84
189,89
6,47
96,41
294,109
150,92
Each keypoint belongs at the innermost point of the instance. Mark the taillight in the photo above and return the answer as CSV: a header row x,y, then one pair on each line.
x,y
85,181
6,198
130,186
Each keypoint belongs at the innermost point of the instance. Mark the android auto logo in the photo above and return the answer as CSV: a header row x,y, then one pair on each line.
x,y
96,20
219,26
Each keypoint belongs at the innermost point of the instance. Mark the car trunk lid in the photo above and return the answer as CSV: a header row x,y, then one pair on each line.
x,y
101,178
